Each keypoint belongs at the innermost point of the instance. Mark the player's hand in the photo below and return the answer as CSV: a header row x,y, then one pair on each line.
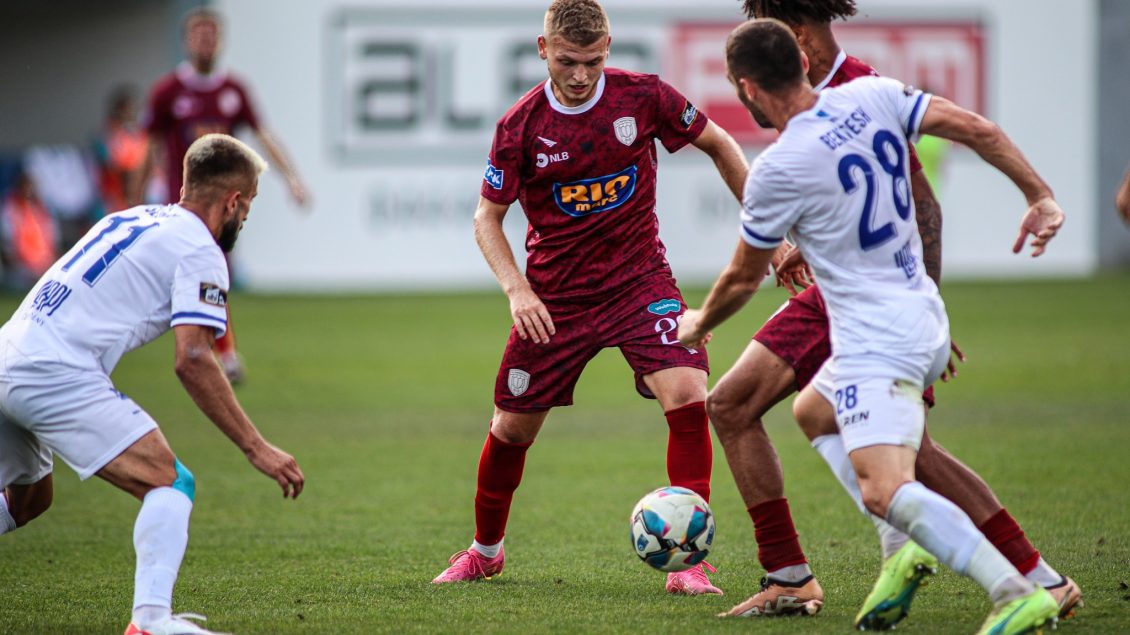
x,y
278,465
531,318
690,334
791,270
298,193
1043,220
951,368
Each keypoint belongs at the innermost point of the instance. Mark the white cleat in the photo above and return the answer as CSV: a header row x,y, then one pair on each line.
x,y
173,625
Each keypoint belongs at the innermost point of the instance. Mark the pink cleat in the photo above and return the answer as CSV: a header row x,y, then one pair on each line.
x,y
468,565
693,581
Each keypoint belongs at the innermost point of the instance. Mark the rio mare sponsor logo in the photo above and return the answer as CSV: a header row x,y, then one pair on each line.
x,y
50,297
213,294
493,176
590,196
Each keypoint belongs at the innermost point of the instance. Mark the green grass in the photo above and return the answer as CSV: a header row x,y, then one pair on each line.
x,y
385,402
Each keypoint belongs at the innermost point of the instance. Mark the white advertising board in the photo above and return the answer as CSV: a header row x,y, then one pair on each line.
x,y
388,109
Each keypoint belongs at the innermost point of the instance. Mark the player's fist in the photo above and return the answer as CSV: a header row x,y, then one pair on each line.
x,y
1043,220
690,334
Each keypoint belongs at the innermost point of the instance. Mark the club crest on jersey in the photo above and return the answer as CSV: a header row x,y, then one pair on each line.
x,y
625,128
517,381
690,113
493,176
590,196
213,294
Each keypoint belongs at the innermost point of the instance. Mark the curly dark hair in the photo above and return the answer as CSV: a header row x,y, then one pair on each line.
x,y
795,12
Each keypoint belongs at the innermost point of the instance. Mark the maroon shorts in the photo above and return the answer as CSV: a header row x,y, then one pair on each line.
x,y
799,334
641,320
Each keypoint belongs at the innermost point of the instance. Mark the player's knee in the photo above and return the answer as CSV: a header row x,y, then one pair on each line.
x,y
185,482
27,508
876,496
725,410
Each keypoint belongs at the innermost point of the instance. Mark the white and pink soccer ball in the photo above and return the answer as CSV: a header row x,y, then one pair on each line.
x,y
672,529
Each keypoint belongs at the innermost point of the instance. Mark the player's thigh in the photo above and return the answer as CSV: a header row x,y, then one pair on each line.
x,y
26,502
535,377
23,459
798,333
80,416
643,323
813,412
759,380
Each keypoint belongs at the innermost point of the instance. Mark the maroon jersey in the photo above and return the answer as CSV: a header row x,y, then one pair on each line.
x,y
847,68
585,177
184,105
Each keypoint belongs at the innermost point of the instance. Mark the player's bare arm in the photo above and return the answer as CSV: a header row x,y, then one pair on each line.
x,y
1122,198
737,284
531,318
945,119
280,160
928,213
727,156
205,382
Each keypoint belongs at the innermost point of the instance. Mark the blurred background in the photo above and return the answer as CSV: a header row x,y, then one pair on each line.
x,y
387,109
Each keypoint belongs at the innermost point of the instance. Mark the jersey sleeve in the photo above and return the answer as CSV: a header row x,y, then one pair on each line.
x,y
248,112
157,116
770,206
678,121
500,182
200,290
910,105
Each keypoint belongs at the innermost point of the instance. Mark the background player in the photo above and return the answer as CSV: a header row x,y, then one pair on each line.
x,y
579,153
197,98
90,308
1122,198
783,357
837,180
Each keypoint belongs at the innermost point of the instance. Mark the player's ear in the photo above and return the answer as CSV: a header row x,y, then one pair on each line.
x,y
542,53
804,61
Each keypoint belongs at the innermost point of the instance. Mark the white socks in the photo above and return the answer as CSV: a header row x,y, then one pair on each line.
x,y
487,551
945,531
7,523
791,575
831,447
1044,575
160,537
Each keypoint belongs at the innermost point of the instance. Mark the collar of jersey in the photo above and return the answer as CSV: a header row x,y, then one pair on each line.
x,y
574,110
841,57
189,77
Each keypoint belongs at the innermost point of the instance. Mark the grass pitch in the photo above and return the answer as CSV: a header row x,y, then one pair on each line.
x,y
385,403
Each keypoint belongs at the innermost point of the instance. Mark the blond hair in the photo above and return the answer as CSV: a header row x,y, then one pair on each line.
x,y
580,22
220,162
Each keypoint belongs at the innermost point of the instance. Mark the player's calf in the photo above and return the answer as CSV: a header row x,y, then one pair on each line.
x,y
24,503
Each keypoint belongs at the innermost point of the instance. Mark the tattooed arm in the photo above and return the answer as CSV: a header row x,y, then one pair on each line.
x,y
928,212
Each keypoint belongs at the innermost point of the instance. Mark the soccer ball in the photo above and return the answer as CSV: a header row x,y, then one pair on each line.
x,y
672,529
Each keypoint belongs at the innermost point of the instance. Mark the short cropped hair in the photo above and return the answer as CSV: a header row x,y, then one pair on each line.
x,y
580,22
219,162
796,12
198,15
766,52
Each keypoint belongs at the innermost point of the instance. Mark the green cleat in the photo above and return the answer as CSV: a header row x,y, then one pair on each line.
x,y
1028,614
899,579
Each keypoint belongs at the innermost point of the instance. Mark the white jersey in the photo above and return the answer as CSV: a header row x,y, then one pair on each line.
x,y
135,274
838,181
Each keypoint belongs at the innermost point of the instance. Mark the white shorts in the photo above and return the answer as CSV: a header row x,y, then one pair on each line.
x,y
79,416
878,399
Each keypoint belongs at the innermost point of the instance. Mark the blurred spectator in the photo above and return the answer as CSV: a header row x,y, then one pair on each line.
x,y
1122,197
28,235
120,150
66,184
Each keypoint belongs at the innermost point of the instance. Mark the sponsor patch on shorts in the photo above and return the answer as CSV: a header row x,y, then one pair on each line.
x,y
213,294
665,306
